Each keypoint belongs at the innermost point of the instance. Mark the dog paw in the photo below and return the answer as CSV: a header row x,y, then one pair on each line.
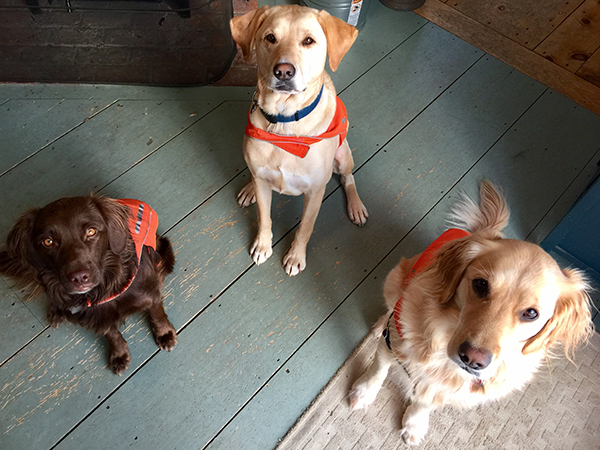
x,y
358,213
167,340
415,423
362,395
410,437
261,251
246,196
294,262
119,363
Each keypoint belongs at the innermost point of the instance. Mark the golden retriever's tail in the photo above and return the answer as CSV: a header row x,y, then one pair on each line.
x,y
491,215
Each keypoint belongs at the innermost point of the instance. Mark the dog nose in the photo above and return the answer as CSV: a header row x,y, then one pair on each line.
x,y
475,358
80,278
284,71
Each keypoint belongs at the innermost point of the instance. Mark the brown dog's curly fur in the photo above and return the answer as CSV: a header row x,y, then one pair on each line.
x,y
79,250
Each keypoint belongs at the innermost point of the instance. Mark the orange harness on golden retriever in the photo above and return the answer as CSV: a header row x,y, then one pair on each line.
x,y
419,266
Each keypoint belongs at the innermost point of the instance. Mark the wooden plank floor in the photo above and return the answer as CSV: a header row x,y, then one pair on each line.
x,y
430,115
554,41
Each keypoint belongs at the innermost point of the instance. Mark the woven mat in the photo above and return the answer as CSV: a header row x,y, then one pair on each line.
x,y
560,409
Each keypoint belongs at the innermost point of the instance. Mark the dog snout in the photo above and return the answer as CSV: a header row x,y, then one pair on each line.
x,y
473,357
81,280
284,71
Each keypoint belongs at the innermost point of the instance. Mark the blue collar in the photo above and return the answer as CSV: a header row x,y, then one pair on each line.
x,y
293,118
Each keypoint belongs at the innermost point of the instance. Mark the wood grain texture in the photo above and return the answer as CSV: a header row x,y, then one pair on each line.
x,y
478,33
527,23
576,39
590,70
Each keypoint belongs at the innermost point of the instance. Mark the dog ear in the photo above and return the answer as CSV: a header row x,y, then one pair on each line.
x,y
19,260
449,266
571,322
340,37
243,29
116,217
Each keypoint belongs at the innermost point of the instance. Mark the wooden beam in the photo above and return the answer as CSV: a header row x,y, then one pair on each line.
x,y
512,53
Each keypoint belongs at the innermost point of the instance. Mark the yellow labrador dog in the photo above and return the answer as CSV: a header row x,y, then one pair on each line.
x,y
295,137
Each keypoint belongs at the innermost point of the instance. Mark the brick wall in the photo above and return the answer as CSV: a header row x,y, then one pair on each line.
x,y
148,43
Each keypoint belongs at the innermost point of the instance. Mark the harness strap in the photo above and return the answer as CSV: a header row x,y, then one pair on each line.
x,y
299,145
279,118
424,261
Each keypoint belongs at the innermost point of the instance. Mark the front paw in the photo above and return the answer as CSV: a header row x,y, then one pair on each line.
x,y
261,250
119,362
358,213
294,261
415,424
167,340
412,436
362,394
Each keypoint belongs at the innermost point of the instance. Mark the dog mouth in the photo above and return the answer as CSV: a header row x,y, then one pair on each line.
x,y
282,88
467,368
82,290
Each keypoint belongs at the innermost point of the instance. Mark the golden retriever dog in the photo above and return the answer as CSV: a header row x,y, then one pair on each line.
x,y
295,137
472,317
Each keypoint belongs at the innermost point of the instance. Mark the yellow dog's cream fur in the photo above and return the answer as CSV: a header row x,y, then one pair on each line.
x,y
528,305
302,38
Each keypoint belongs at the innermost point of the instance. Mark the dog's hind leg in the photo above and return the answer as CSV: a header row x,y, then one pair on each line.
x,y
119,357
365,389
343,165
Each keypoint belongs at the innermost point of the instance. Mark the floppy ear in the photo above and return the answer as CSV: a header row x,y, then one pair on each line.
x,y
116,217
571,322
19,260
449,266
340,37
243,29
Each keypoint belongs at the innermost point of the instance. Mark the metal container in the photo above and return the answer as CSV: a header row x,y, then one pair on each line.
x,y
353,12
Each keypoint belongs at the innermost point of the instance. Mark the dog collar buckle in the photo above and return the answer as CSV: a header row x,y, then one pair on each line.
x,y
254,103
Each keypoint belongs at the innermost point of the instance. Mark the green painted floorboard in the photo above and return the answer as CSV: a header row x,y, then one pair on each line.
x,y
430,115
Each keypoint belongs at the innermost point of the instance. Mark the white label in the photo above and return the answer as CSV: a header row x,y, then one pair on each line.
x,y
354,12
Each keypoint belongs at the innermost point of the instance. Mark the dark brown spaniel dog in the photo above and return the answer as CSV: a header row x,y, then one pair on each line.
x,y
98,261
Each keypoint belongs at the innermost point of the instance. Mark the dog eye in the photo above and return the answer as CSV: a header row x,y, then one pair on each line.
x,y
308,41
529,315
91,232
48,242
270,38
481,288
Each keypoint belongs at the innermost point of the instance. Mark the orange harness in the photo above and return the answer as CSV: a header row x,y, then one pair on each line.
x,y
299,145
143,223
420,265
